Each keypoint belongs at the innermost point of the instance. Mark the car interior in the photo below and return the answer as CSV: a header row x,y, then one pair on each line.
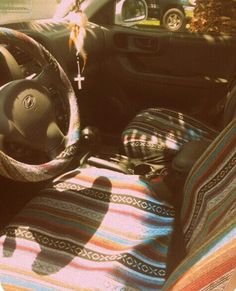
x,y
128,183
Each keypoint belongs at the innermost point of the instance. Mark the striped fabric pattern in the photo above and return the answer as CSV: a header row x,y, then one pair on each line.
x,y
155,134
209,219
93,229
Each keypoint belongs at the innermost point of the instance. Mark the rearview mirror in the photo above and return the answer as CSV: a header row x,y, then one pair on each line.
x,y
130,12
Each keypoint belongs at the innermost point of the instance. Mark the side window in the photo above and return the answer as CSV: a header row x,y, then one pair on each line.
x,y
171,15
212,16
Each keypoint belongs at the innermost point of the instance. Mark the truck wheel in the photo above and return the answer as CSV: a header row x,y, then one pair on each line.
x,y
174,20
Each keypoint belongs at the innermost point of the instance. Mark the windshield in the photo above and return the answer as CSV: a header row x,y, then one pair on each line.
x,y
25,10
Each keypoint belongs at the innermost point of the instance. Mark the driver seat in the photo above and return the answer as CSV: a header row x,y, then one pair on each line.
x,y
96,229
92,229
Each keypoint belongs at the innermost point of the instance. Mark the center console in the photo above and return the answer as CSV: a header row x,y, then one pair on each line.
x,y
95,156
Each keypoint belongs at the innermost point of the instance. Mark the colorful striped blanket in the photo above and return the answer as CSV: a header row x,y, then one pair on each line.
x,y
92,230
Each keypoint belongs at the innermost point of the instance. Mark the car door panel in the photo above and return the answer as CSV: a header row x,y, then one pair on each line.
x,y
170,69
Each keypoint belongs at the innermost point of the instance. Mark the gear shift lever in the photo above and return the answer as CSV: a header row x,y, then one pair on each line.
x,y
91,139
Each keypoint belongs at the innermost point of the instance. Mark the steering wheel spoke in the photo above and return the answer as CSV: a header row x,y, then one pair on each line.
x,y
29,117
48,76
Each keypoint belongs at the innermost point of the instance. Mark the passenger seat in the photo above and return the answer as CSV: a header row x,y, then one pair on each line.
x,y
155,135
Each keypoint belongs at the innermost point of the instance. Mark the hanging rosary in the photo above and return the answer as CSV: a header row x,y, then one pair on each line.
x,y
79,77
78,23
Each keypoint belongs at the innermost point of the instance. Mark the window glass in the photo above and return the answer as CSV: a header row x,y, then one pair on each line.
x,y
23,10
7,6
212,16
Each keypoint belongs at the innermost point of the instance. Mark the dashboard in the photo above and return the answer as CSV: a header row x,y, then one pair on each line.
x,y
54,36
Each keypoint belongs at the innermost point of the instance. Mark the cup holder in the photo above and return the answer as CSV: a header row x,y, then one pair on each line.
x,y
142,169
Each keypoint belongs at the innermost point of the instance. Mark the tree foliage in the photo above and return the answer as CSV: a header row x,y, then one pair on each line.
x,y
214,16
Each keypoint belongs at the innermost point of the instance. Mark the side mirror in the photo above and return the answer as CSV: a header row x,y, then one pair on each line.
x,y
130,12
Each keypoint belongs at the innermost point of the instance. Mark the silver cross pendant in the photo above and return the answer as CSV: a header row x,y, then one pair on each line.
x,y
79,77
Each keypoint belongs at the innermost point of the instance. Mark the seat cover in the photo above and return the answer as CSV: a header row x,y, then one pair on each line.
x,y
92,230
209,219
156,134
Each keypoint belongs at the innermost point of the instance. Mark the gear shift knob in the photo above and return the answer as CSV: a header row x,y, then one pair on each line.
x,y
91,138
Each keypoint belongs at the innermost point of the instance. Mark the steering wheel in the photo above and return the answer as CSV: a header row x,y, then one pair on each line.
x,y
28,114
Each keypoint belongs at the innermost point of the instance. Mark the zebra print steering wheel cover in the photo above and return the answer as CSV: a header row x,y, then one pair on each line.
x,y
19,171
